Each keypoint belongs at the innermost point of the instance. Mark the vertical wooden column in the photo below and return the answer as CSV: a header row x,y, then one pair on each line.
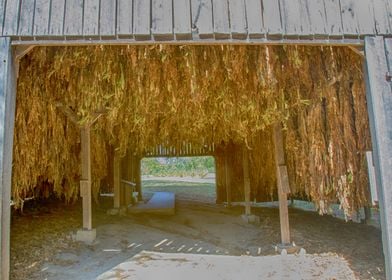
x,y
227,181
7,119
282,183
378,52
85,183
116,180
245,166
127,163
138,178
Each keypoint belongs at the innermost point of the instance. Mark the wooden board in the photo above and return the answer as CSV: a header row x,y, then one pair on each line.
x,y
365,17
182,19
73,19
349,18
291,17
162,19
141,19
317,18
125,18
91,18
283,206
11,18
202,21
56,24
379,101
26,22
107,19
7,119
41,17
238,24
272,19
334,19
221,19
254,18
160,203
372,177
382,24
85,143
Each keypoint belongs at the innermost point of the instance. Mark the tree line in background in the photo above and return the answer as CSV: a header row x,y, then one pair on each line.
x,y
181,166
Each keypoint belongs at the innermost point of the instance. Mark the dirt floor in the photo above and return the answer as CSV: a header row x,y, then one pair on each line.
x,y
42,246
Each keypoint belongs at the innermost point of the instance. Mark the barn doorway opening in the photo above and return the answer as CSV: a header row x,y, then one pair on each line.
x,y
189,178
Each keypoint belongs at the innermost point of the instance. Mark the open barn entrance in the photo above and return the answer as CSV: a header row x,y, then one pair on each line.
x,y
273,138
189,178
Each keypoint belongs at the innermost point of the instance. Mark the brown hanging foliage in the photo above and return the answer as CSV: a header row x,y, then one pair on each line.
x,y
200,95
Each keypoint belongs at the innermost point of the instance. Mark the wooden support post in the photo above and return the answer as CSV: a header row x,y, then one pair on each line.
x,y
282,183
227,181
138,178
116,181
8,75
378,52
85,183
127,175
245,165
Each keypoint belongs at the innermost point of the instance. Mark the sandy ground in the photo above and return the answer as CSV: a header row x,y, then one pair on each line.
x,y
174,266
42,246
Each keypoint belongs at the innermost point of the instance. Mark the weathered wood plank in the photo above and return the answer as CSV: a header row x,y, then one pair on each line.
x,y
162,19
349,18
56,25
382,24
85,183
372,177
334,19
254,18
11,18
364,10
238,24
2,14
73,19
91,18
379,102
283,206
182,19
117,180
272,19
317,18
245,167
7,119
107,19
141,19
125,18
41,17
221,19
227,181
26,18
304,11
202,21
291,17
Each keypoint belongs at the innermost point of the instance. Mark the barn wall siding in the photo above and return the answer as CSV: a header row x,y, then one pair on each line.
x,y
194,19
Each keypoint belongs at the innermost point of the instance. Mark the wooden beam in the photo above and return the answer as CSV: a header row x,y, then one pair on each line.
x,y
117,180
245,166
379,100
138,177
85,183
227,180
7,119
282,184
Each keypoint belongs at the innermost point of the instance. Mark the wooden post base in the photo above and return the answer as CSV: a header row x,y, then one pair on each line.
x,y
86,236
251,219
287,248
